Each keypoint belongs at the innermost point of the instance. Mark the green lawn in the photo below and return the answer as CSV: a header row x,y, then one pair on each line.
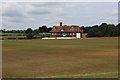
x,y
41,58
84,35
13,34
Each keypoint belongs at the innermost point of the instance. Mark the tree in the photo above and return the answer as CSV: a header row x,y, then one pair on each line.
x,y
40,30
29,33
115,32
94,33
82,27
103,28
49,29
3,31
118,26
44,28
29,30
86,29
36,31
29,36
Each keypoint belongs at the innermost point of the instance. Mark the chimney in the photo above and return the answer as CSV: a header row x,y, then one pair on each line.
x,y
60,23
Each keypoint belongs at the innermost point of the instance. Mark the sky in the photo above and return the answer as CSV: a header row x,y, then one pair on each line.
x,y
23,15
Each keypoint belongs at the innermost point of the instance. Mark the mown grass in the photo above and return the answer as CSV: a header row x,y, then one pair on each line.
x,y
13,34
39,58
6,37
84,35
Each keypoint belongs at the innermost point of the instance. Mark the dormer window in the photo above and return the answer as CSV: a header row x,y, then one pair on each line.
x,y
53,28
72,28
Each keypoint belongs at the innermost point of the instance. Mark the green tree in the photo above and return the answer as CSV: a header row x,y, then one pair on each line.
x,y
29,30
95,33
40,30
44,28
29,33
49,29
103,28
118,26
36,31
29,36
115,32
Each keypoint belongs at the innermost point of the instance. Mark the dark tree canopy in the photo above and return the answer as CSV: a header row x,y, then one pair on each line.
x,y
29,33
104,30
43,29
29,30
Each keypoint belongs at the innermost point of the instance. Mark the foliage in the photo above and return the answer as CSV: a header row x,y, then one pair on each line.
x,y
94,33
29,36
86,29
29,33
104,30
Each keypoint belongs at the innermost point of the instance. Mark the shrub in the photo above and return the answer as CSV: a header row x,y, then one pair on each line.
x,y
29,36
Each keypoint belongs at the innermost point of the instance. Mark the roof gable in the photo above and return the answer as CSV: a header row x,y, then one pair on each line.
x,y
72,28
62,30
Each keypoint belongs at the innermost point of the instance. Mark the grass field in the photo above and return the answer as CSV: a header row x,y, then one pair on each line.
x,y
42,58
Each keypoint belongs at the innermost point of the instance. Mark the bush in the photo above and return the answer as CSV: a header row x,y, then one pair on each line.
x,y
29,36
22,38
37,38
11,38
95,33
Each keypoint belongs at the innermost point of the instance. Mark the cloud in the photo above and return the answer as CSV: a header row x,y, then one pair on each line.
x,y
12,13
115,12
12,10
36,14
44,8
111,19
35,4
38,11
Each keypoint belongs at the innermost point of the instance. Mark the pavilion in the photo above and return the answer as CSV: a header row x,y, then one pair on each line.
x,y
66,31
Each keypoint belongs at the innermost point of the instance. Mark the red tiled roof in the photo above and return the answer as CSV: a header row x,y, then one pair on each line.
x,y
66,29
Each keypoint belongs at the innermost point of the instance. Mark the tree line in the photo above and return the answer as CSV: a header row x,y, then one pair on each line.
x,y
103,30
42,29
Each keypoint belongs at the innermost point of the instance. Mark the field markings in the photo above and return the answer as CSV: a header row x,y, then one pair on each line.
x,y
78,75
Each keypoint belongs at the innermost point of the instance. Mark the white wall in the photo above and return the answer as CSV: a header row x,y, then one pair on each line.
x,y
78,35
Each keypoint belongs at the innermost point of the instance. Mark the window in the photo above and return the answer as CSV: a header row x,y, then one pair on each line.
x,y
72,33
57,33
53,28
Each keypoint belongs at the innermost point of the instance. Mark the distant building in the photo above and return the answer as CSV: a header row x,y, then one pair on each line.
x,y
66,31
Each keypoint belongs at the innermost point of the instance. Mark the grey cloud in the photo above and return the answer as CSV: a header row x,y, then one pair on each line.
x,y
51,13
12,10
44,8
12,13
35,4
38,12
